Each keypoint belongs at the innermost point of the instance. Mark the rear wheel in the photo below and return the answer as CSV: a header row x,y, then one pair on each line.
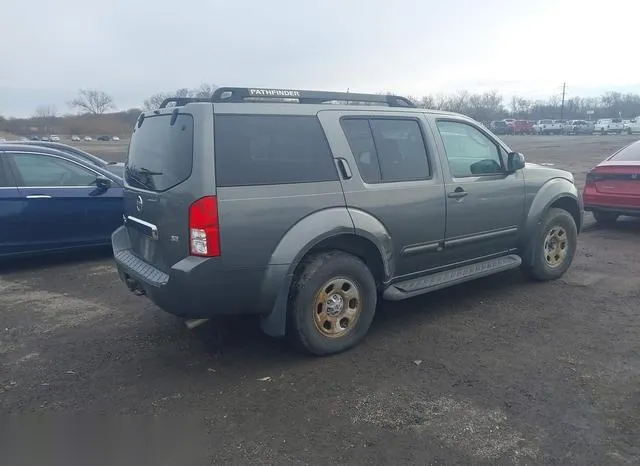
x,y
333,303
605,218
551,250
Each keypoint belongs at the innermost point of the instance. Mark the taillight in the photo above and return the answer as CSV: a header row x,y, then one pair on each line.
x,y
592,177
204,231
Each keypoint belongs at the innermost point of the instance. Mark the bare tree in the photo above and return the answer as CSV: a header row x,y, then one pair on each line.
x,y
93,101
47,114
205,91
155,100
46,111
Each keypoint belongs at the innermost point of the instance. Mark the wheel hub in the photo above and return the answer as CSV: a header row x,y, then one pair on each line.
x,y
335,303
555,246
337,307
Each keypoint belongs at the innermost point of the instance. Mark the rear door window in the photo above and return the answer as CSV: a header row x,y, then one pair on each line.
x,y
387,150
253,150
160,153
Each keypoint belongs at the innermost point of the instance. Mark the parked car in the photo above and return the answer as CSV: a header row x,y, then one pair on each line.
x,y
608,125
116,168
44,138
52,201
54,138
547,127
308,239
633,126
104,138
613,186
75,138
499,127
115,138
579,127
522,127
23,138
509,122
88,138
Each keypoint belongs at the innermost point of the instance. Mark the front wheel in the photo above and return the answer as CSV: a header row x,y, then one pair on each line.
x,y
551,250
333,302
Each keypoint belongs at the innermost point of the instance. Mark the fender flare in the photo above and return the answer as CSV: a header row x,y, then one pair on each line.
x,y
547,195
303,237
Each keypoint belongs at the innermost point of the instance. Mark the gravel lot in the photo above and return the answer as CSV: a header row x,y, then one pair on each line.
x,y
499,371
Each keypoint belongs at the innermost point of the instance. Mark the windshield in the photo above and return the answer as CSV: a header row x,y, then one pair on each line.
x,y
160,154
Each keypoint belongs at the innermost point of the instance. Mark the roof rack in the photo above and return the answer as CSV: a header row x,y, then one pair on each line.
x,y
244,94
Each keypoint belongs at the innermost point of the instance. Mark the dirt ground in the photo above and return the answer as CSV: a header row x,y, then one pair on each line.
x,y
499,371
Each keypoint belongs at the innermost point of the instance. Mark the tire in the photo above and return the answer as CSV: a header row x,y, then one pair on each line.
x,y
545,261
326,281
605,218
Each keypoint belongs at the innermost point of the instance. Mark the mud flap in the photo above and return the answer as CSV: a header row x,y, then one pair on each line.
x,y
275,324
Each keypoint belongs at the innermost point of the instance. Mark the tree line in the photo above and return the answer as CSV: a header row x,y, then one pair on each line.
x,y
96,111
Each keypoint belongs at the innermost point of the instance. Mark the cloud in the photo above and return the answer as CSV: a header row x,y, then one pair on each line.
x,y
134,48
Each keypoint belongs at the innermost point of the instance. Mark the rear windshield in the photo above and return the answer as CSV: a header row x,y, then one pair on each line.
x,y
616,120
271,149
631,153
160,154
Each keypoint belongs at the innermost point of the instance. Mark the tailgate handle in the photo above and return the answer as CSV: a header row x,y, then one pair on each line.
x,y
344,168
147,228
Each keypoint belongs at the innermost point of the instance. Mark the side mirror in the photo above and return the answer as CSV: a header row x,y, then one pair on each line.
x,y
515,162
102,182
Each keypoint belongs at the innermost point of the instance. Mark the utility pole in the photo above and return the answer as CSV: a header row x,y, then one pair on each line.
x,y
564,88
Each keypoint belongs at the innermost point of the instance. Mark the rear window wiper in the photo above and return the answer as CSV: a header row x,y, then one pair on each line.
x,y
146,171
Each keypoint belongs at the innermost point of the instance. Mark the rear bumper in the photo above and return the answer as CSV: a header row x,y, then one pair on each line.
x,y
198,287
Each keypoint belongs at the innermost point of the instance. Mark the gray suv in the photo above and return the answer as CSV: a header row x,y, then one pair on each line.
x,y
307,207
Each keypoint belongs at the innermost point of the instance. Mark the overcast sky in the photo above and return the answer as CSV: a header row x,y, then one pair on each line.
x,y
133,48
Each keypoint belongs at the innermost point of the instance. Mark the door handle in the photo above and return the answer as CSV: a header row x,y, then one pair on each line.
x,y
38,196
459,193
344,168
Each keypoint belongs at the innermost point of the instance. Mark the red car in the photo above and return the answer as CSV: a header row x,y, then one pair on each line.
x,y
522,127
613,186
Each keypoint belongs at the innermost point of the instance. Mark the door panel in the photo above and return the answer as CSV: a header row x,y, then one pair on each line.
x,y
485,204
394,177
63,206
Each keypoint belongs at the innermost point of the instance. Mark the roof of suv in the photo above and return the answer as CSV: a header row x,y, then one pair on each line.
x,y
313,101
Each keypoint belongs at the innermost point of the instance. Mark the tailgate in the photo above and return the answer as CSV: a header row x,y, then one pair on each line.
x,y
159,165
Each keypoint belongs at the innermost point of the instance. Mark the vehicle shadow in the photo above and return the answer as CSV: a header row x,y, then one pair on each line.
x,y
624,224
54,259
403,315
241,336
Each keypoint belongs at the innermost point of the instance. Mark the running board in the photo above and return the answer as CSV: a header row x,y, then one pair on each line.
x,y
437,281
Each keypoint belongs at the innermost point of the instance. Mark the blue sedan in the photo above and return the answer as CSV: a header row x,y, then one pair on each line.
x,y
54,200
